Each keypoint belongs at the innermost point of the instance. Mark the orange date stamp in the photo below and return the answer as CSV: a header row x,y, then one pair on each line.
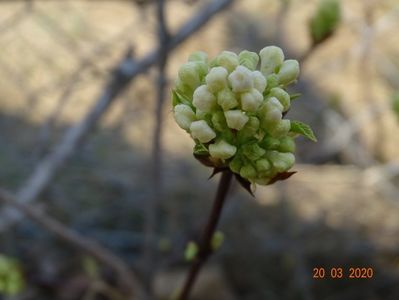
x,y
343,273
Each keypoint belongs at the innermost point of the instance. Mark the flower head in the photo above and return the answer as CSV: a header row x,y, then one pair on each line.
x,y
236,114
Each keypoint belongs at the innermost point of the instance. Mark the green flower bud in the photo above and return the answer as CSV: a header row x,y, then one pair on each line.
x,y
248,59
248,171
236,164
262,180
184,89
200,130
216,79
184,116
287,144
260,82
219,121
188,74
241,80
325,20
281,128
228,60
227,99
222,150
282,96
202,69
281,161
289,71
272,81
253,151
270,143
249,130
203,99
235,119
198,56
250,101
263,165
271,59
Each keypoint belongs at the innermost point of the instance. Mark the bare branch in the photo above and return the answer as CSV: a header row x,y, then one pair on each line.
x,y
122,76
128,279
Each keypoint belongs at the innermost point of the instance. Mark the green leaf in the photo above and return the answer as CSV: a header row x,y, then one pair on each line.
x,y
179,99
295,96
200,149
303,129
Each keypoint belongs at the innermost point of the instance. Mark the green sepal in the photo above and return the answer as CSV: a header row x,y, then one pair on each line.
x,y
200,149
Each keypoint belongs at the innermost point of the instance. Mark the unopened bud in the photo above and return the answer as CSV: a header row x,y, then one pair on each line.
x,y
184,116
227,99
228,60
236,119
282,96
222,150
250,101
200,130
271,58
241,80
248,59
248,171
260,82
253,151
198,56
289,71
203,99
216,79
287,144
188,74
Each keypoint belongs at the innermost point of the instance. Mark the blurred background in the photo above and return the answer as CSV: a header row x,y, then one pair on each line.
x,y
88,140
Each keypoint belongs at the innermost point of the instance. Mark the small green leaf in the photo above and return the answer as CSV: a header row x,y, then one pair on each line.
x,y
179,99
295,96
200,149
191,251
303,129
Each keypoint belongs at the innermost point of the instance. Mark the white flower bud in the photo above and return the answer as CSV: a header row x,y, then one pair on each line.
x,y
289,71
227,99
260,82
228,60
184,116
250,101
282,96
274,103
270,58
248,59
188,74
236,119
216,79
273,115
200,130
222,150
241,80
203,99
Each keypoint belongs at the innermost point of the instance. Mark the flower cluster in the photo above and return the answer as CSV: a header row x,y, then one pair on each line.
x,y
235,113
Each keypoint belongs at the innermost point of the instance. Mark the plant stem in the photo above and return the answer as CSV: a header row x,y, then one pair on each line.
x,y
205,249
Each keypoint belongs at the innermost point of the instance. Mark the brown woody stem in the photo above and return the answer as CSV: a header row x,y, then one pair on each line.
x,y
205,249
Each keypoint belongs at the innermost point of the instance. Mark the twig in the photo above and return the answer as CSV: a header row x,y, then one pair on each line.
x,y
128,280
153,204
205,249
122,75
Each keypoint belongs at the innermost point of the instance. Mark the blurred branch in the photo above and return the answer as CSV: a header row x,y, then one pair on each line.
x,y
121,77
128,280
153,204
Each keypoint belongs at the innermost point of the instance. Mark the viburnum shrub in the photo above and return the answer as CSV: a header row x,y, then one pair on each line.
x,y
236,112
